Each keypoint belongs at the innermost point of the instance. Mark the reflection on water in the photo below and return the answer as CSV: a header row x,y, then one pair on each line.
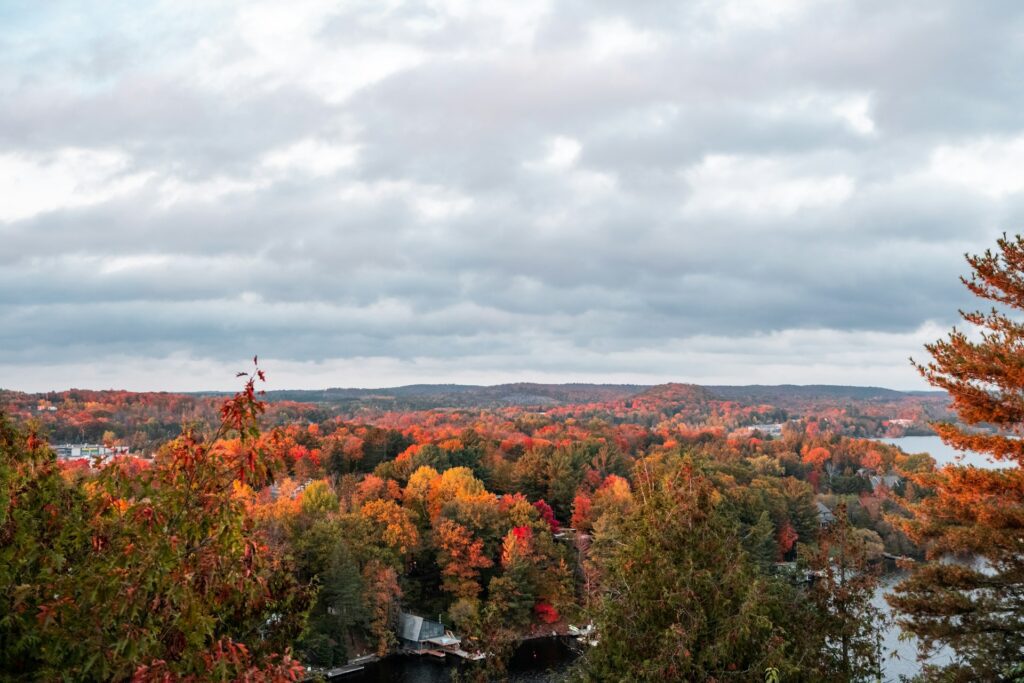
x,y
545,660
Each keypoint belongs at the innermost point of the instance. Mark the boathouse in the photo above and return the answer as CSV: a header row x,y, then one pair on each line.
x,y
422,635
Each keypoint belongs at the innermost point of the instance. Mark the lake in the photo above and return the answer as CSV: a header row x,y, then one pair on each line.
x,y
899,657
943,454
543,660
904,662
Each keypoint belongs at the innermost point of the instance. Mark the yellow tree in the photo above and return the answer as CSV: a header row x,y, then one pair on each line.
x,y
461,558
393,524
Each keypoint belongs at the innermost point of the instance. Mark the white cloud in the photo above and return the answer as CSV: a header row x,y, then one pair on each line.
x,y
63,179
562,153
275,44
310,156
136,262
174,191
992,166
616,37
723,184
856,112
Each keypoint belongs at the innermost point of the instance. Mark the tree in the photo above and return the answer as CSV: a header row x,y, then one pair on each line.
x,y
759,540
393,525
680,600
461,558
339,609
841,593
156,574
976,608
382,598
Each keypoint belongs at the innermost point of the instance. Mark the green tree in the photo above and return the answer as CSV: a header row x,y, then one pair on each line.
x,y
760,540
680,600
848,632
339,614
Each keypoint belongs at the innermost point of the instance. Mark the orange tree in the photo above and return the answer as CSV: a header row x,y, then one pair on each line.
x,y
152,575
977,606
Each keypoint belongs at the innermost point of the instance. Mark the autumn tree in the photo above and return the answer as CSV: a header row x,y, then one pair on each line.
x,y
461,558
976,607
156,574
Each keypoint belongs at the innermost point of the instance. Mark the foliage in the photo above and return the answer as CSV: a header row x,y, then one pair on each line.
x,y
844,584
381,507
680,598
976,607
156,574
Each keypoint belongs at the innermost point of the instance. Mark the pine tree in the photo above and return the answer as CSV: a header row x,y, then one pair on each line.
x,y
977,608
841,593
760,540
680,599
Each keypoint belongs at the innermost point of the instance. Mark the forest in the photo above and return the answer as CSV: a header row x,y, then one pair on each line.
x,y
509,521
699,536
144,421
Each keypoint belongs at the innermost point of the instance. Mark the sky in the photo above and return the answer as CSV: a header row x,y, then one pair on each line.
x,y
377,192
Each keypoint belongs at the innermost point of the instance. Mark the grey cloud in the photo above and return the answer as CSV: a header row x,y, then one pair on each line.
x,y
448,238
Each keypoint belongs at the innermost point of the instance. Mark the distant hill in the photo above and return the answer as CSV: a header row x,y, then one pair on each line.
x,y
676,393
530,394
768,393
425,396
143,420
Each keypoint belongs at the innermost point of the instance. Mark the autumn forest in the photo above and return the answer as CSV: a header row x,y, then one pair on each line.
x,y
671,532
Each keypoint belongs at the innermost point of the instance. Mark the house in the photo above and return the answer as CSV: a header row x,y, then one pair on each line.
x,y
889,481
423,635
825,516
766,430
74,451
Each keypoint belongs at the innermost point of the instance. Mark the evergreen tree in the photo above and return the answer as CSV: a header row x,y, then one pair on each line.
x,y
848,634
760,540
976,608
680,600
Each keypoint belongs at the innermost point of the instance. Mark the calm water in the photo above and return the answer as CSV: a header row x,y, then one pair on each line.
x,y
943,454
899,657
544,660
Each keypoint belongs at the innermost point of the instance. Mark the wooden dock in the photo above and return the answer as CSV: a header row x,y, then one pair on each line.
x,y
354,666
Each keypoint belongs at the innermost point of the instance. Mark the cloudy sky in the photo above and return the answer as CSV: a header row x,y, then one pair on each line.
x,y
377,192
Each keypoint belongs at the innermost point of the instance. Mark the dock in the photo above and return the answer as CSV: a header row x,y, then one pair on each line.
x,y
353,666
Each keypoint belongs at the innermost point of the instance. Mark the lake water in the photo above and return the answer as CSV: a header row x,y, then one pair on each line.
x,y
548,660
544,660
899,657
943,454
